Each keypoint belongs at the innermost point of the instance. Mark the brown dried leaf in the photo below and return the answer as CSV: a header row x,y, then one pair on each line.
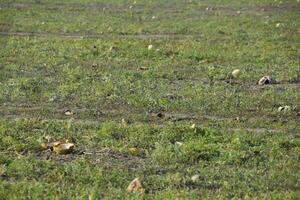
x,y
134,151
63,148
135,186
47,145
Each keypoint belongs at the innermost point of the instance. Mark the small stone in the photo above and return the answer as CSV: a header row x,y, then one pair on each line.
x,y
195,178
68,112
284,108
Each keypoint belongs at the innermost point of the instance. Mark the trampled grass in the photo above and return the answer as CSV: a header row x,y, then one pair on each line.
x,y
92,58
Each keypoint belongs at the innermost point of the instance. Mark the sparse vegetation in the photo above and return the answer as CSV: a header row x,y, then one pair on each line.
x,y
83,71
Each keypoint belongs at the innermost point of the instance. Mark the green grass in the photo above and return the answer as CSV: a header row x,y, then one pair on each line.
x,y
230,164
96,62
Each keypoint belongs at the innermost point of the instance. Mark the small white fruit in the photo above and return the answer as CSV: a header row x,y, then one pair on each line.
x,y
236,73
150,47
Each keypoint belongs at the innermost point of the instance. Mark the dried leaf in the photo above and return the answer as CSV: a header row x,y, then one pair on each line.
x,y
135,186
179,143
63,148
44,146
47,145
113,48
124,122
193,126
134,151
47,138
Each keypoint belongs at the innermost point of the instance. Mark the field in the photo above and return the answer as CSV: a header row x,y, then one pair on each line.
x,y
154,75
